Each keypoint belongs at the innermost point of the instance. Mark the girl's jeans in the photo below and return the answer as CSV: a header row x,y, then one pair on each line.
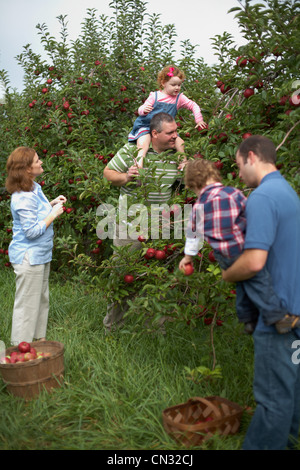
x,y
254,296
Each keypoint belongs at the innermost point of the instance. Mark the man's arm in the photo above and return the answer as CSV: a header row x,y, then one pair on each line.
x,y
120,179
246,266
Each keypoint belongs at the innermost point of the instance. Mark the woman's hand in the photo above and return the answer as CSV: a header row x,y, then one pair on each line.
x,y
57,210
59,199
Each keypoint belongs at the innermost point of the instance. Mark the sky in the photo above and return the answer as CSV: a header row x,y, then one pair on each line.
x,y
196,20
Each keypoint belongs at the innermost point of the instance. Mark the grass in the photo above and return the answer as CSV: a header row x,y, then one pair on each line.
x,y
116,386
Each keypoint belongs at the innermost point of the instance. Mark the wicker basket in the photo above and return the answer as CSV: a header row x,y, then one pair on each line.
x,y
198,419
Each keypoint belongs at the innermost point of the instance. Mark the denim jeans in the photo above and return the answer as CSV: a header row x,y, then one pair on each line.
x,y
256,295
276,387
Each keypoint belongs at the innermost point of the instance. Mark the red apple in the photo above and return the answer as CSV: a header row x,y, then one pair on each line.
x,y
160,254
219,164
128,278
248,92
224,88
246,135
283,100
223,137
29,357
14,359
24,347
258,84
241,61
33,352
150,253
211,256
141,238
21,357
6,360
198,155
188,269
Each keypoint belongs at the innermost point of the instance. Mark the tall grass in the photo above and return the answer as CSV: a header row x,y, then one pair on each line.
x,y
116,386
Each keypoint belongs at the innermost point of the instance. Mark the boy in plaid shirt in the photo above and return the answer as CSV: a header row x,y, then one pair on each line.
x,y
223,227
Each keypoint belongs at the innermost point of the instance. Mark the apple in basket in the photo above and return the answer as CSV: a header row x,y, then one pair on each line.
x,y
24,353
24,347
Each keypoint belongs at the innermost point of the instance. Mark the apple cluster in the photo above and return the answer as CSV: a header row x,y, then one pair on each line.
x,y
25,353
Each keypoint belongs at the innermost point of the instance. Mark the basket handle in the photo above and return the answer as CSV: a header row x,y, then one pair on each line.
x,y
208,403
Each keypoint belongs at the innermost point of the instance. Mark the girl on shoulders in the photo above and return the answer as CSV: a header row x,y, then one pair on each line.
x,y
168,99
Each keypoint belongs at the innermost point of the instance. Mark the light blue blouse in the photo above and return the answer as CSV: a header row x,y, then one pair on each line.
x,y
29,230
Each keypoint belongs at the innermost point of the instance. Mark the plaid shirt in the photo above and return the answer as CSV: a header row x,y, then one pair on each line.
x,y
224,218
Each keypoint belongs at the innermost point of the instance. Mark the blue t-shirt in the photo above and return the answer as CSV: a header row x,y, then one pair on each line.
x,y
29,210
273,224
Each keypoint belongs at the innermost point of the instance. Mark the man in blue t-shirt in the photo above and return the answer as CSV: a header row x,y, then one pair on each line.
x,y
272,239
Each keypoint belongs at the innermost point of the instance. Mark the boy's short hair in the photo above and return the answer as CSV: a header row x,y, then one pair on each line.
x,y
199,171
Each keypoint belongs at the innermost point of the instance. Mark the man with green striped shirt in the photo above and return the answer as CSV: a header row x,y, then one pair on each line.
x,y
123,168
160,171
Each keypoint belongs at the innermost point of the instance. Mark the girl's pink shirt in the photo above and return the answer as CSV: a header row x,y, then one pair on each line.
x,y
183,102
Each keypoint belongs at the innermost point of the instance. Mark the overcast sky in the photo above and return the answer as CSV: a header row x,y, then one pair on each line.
x,y
196,20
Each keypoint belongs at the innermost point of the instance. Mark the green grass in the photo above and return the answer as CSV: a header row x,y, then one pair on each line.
x,y
116,386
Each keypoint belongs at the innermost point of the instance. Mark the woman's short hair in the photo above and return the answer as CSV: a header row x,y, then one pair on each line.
x,y
18,178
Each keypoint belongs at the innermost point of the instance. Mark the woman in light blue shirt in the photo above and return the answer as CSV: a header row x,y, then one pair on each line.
x,y
30,250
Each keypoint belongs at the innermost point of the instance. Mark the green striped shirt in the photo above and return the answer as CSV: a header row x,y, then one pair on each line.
x,y
159,169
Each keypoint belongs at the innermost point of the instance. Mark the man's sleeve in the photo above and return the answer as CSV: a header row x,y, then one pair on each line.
x,y
261,222
122,160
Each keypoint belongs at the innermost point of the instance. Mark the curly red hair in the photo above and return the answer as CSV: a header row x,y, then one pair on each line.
x,y
173,71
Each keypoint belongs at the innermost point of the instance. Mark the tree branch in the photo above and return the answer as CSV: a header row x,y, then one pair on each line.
x,y
286,136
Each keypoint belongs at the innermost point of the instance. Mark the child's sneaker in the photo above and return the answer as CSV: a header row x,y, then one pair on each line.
x,y
287,323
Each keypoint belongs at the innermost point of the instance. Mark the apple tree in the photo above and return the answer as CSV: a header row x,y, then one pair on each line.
x,y
79,103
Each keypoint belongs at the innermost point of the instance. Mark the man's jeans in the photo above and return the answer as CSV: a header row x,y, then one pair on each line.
x,y
255,296
275,424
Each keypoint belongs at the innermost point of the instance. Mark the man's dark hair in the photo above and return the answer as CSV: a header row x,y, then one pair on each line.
x,y
263,147
158,120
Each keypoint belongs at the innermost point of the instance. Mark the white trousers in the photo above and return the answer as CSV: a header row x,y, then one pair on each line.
x,y
31,306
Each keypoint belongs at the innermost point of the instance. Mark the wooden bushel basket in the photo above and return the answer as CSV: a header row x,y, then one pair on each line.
x,y
198,419
28,379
